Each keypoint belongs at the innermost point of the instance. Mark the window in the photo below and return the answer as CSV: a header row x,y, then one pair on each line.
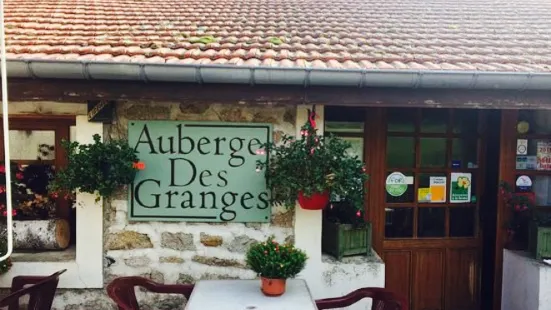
x,y
85,267
428,151
36,153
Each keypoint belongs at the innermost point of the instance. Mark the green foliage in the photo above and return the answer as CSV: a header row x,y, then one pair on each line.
x,y
273,260
99,167
313,164
523,213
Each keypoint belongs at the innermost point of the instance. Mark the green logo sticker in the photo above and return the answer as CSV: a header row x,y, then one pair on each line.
x,y
396,184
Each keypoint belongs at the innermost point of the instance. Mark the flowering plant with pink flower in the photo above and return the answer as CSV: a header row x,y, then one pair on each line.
x,y
311,164
30,197
18,188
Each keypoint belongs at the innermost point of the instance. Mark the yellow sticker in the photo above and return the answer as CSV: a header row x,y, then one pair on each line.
x,y
423,194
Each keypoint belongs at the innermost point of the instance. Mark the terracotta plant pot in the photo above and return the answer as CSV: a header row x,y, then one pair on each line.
x,y
273,287
317,201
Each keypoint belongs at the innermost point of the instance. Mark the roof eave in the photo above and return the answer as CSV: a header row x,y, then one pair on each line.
x,y
197,73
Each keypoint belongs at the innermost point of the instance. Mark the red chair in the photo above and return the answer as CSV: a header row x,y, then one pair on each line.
x,y
41,291
382,300
123,290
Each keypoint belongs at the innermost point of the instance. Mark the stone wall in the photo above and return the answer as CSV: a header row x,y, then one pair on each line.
x,y
169,252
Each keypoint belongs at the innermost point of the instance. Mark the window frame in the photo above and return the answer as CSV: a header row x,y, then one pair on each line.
x,y
86,270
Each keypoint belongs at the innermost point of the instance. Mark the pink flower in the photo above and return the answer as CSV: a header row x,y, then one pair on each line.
x,y
359,213
13,213
260,152
312,151
2,189
517,208
19,176
2,169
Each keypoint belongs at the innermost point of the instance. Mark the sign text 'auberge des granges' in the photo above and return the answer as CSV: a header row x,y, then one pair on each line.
x,y
199,171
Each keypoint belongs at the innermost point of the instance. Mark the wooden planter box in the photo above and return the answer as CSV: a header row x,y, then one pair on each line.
x,y
342,240
539,242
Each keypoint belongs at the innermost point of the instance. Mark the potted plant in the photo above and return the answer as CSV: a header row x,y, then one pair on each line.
x,y
345,231
100,168
275,263
522,217
311,168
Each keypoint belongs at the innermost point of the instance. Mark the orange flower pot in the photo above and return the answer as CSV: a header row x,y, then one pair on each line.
x,y
273,287
317,201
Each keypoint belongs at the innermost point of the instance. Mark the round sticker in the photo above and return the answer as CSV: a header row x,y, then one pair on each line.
x,y
523,127
396,184
524,181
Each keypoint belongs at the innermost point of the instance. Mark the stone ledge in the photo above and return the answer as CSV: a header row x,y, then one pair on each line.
x,y
373,258
69,254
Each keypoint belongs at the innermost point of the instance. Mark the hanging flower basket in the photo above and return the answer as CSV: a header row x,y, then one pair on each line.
x,y
312,169
317,201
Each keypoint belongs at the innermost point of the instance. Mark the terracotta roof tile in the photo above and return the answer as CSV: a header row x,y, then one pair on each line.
x,y
340,34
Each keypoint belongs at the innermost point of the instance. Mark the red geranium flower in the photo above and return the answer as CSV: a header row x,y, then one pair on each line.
x,y
139,165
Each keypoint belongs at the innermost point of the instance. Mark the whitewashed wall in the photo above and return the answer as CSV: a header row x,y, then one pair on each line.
x,y
526,283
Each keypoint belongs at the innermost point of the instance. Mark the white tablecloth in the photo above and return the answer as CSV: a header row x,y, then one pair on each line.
x,y
246,295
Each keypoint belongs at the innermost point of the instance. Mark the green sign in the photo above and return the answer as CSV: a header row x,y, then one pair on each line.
x,y
199,172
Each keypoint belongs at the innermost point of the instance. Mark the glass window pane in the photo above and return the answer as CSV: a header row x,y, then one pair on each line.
x,y
539,155
399,222
465,153
434,120
400,152
426,194
465,122
408,195
541,185
355,127
30,196
32,144
401,120
538,121
462,222
433,152
431,222
357,148
474,187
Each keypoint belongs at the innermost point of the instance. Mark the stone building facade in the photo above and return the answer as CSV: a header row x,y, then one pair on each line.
x,y
180,252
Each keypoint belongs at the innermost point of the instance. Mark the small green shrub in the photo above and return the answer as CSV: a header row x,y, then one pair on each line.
x,y
99,167
273,260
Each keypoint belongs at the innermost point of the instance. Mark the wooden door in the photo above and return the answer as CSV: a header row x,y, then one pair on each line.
x,y
429,237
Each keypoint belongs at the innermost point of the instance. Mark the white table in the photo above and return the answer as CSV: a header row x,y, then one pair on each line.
x,y
246,295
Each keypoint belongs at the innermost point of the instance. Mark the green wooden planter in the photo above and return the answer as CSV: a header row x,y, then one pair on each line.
x,y
539,242
342,240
